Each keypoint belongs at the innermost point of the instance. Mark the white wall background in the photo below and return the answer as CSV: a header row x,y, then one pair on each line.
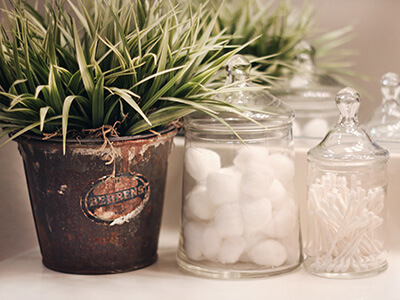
x,y
377,38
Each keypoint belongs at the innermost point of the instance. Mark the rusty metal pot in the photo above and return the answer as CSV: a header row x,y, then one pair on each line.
x,y
92,217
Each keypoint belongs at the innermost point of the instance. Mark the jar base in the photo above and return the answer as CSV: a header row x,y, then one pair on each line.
x,y
346,275
211,270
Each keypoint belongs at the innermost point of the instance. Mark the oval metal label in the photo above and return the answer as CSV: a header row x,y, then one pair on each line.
x,y
114,200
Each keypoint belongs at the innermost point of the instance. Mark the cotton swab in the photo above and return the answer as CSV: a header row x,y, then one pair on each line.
x,y
343,218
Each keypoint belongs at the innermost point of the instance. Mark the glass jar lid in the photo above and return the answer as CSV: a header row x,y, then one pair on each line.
x,y
259,110
385,122
347,141
303,89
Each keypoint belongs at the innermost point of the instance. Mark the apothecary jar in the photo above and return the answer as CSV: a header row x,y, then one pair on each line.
x,y
310,94
239,214
345,232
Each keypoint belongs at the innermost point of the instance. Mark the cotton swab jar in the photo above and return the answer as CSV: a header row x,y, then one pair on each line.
x,y
345,232
239,215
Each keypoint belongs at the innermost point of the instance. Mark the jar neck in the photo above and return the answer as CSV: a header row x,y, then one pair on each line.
x,y
348,122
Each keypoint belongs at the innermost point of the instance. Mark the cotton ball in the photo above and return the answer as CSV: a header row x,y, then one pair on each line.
x,y
256,180
282,224
296,129
198,204
211,242
250,154
283,166
268,253
316,127
199,162
252,239
289,205
228,220
192,234
276,194
289,187
224,186
231,249
292,246
282,201
256,214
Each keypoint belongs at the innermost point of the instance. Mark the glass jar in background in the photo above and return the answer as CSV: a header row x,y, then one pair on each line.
x,y
311,95
239,214
345,232
385,122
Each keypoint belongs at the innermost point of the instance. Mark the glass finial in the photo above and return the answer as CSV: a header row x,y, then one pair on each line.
x,y
348,103
390,86
238,69
305,68
305,53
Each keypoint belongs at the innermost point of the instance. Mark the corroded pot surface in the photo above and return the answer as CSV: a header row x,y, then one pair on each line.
x,y
93,216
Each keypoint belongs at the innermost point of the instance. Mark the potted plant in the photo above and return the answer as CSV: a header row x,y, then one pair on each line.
x,y
92,92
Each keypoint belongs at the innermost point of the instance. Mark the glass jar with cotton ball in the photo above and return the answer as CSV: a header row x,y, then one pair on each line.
x,y
310,94
239,214
385,122
345,216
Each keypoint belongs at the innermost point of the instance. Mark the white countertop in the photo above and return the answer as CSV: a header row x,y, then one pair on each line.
x,y
22,275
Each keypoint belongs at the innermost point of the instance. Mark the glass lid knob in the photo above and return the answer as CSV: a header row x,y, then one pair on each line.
x,y
305,53
348,103
238,69
305,69
390,86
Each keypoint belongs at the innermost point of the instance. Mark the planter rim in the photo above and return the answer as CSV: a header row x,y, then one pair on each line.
x,y
168,130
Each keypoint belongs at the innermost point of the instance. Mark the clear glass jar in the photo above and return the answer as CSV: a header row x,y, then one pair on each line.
x,y
239,214
385,122
311,95
345,232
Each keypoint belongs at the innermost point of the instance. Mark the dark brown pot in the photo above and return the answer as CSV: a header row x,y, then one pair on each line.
x,y
88,220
